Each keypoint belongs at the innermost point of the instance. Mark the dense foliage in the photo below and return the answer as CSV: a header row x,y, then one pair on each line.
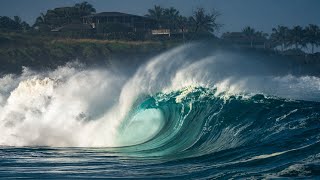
x,y
297,37
282,38
15,24
62,16
200,24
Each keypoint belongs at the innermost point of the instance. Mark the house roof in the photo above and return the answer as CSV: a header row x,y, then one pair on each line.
x,y
108,14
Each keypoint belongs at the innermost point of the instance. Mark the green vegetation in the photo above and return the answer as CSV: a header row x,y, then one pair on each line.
x,y
18,50
62,16
297,37
41,46
199,24
15,24
282,38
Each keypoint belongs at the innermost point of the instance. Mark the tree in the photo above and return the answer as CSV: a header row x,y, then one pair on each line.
x,y
203,22
157,13
41,23
17,19
25,26
182,23
85,8
312,36
62,16
171,17
9,24
296,37
15,24
262,37
41,19
280,36
250,34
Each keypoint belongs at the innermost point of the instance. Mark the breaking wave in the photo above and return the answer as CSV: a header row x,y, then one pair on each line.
x,y
178,105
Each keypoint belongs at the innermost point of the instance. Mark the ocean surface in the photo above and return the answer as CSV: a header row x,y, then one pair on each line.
x,y
183,114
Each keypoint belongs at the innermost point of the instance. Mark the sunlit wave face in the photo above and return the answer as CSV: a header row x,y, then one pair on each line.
x,y
142,127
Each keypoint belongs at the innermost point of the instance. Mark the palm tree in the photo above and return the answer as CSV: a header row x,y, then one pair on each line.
x,y
250,34
296,37
182,23
157,13
280,36
205,22
171,15
312,34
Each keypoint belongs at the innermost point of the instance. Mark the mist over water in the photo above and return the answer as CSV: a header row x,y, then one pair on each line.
x,y
181,104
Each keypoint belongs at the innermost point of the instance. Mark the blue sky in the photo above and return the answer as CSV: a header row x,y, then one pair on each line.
x,y
236,14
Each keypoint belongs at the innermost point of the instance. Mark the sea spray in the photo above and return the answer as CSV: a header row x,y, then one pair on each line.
x,y
183,114
75,106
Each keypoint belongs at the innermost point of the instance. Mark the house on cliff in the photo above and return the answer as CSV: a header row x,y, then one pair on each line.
x,y
115,22
131,22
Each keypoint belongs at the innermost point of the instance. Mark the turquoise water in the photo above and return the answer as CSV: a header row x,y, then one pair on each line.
x,y
178,116
201,136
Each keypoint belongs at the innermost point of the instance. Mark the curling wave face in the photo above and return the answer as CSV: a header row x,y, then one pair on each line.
x,y
177,106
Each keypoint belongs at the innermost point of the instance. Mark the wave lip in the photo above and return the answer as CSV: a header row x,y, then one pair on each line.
x,y
199,122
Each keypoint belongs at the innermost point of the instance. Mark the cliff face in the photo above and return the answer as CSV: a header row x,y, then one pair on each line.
x,y
17,51
44,52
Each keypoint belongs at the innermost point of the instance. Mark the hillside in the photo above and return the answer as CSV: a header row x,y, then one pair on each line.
x,y
42,52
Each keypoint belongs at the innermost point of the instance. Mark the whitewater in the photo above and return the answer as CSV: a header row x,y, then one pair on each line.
x,y
182,114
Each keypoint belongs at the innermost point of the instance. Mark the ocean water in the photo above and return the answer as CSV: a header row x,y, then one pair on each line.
x,y
180,115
